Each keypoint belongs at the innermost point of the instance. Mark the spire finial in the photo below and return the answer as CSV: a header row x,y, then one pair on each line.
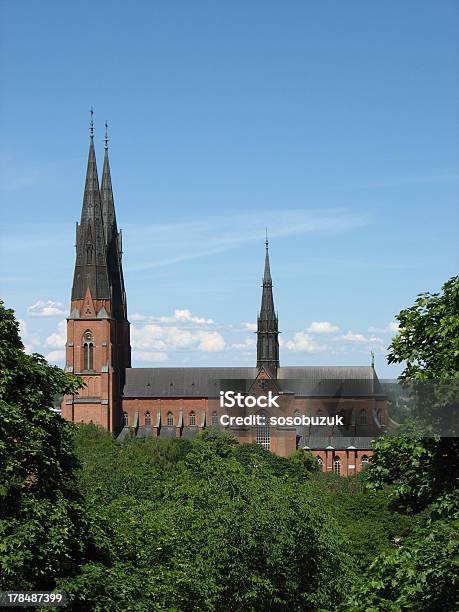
x,y
266,240
106,135
91,123
372,359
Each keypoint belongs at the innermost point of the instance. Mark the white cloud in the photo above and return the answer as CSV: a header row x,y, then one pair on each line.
x,y
249,343
360,338
303,342
351,337
322,327
181,315
211,341
57,357
31,341
185,315
392,327
137,317
58,338
148,356
165,338
249,326
46,309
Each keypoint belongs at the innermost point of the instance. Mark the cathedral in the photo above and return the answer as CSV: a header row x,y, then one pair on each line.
x,y
176,402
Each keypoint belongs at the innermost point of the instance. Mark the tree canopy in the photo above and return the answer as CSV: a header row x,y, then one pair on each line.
x,y
42,523
420,471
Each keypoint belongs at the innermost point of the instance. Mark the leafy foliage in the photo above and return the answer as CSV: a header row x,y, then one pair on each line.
x,y
220,536
421,575
367,523
42,524
421,471
428,340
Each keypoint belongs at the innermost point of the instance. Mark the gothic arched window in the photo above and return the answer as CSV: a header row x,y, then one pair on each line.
x,y
147,419
170,419
365,462
363,417
125,419
214,418
337,465
264,434
320,462
192,418
88,351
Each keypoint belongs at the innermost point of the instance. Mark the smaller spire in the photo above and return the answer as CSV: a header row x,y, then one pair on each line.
x,y
91,123
267,274
267,323
106,136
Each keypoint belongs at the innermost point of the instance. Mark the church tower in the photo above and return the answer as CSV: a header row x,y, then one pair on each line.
x,y
267,325
98,345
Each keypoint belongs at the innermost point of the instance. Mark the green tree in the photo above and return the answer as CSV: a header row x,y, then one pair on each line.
x,y
42,524
218,538
137,467
421,574
367,524
428,341
428,337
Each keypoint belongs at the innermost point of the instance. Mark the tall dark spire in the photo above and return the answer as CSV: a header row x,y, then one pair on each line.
x,y
112,238
106,194
267,325
91,264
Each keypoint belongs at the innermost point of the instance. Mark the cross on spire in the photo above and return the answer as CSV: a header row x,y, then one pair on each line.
x,y
91,123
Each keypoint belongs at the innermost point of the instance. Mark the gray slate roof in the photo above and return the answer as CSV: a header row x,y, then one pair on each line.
x,y
321,443
204,382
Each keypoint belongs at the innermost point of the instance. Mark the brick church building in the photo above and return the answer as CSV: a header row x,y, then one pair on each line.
x,y
175,402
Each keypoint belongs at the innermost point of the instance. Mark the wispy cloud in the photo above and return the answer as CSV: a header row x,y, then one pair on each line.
x,y
360,338
249,326
175,243
391,328
247,345
445,177
149,356
322,327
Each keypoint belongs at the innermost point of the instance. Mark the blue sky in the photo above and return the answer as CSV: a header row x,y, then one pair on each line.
x,y
333,124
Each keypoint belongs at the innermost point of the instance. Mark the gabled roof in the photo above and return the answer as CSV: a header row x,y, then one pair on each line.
x,y
205,382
